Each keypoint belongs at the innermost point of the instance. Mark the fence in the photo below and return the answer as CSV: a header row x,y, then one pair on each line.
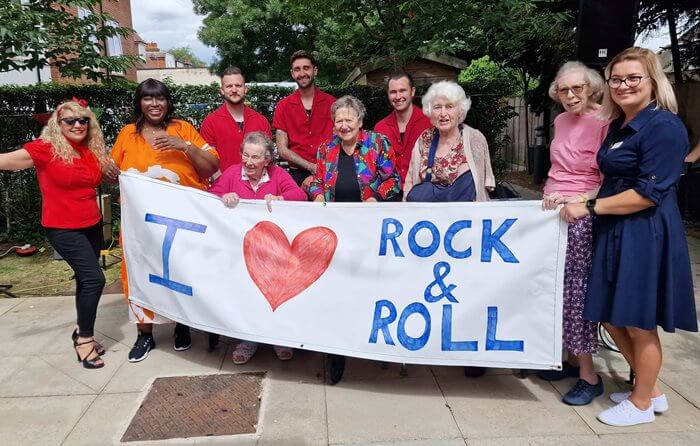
x,y
520,132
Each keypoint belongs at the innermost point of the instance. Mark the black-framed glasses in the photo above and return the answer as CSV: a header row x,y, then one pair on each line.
x,y
630,81
575,89
71,121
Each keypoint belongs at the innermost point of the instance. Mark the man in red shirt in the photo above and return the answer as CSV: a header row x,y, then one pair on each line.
x,y
303,120
225,127
406,123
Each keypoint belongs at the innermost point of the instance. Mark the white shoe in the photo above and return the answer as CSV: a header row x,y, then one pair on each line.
x,y
660,402
626,414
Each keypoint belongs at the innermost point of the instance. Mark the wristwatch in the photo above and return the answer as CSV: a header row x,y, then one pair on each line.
x,y
590,205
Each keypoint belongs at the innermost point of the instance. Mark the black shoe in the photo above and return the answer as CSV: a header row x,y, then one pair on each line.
x,y
183,340
144,343
213,341
583,393
567,371
335,366
474,372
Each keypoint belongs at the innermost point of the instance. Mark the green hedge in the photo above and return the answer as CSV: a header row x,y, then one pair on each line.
x,y
19,194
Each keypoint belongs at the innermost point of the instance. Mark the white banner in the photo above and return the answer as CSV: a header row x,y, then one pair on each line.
x,y
454,284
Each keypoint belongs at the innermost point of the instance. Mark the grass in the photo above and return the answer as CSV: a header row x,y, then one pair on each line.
x,y
41,275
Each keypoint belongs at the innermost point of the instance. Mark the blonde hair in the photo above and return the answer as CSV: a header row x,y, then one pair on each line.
x,y
662,91
94,140
590,76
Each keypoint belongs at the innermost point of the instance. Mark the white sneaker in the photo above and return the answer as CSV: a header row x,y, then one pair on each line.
x,y
660,402
626,414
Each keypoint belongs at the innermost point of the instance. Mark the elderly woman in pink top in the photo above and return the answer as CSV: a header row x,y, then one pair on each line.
x,y
574,178
256,178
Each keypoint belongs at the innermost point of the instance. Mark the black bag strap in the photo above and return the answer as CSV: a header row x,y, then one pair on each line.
x,y
433,150
431,156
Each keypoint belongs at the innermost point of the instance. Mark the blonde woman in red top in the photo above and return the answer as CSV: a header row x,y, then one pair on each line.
x,y
69,157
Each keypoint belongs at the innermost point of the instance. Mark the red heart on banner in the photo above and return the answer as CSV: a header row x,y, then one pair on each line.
x,y
280,270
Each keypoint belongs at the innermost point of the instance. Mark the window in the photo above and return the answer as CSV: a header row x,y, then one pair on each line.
x,y
114,43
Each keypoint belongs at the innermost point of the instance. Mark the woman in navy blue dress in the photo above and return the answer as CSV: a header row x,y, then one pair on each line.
x,y
641,276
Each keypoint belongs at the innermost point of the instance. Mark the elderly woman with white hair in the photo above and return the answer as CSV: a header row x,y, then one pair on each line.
x,y
574,178
450,161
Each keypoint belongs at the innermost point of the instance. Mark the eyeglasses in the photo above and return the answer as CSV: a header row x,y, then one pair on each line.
x,y
71,121
630,81
253,158
575,89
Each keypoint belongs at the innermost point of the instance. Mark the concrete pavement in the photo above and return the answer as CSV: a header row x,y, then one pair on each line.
x,y
47,398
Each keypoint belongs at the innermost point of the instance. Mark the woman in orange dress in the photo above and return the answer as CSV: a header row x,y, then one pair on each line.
x,y
159,146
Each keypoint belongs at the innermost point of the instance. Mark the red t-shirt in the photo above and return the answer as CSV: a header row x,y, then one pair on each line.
x,y
305,133
68,193
389,127
222,132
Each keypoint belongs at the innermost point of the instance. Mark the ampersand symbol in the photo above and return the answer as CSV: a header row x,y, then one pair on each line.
x,y
440,271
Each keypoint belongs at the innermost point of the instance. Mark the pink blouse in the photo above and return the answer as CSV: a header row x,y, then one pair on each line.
x,y
577,139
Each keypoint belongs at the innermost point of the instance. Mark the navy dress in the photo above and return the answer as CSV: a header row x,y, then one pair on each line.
x,y
641,274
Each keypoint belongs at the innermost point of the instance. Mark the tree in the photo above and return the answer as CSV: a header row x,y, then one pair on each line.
x,y
260,35
257,36
43,33
679,16
185,54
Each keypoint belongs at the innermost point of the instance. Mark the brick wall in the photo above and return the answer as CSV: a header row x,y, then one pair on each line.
x,y
120,11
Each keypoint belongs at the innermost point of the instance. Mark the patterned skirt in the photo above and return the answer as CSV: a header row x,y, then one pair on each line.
x,y
579,336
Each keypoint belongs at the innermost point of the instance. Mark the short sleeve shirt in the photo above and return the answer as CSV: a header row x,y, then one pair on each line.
x,y
577,139
68,193
223,133
305,132
132,153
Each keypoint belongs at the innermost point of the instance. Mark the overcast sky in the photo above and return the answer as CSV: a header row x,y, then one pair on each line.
x,y
170,23
173,23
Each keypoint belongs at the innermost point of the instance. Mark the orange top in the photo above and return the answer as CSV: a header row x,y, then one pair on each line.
x,y
132,153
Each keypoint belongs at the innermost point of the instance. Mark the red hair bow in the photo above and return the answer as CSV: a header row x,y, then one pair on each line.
x,y
81,102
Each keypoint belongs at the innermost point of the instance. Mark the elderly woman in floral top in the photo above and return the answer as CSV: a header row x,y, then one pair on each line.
x,y
355,165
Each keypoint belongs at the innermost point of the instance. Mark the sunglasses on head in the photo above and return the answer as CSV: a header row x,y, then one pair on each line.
x,y
71,121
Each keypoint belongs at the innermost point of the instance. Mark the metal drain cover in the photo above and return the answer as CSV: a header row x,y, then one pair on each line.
x,y
198,406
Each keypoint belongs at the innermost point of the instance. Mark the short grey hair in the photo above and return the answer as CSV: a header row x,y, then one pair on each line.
x,y
450,91
590,76
261,139
350,102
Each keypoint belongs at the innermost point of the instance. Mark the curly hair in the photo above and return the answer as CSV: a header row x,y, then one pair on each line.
x,y
94,140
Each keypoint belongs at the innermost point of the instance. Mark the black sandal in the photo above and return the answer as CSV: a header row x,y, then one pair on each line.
x,y
89,363
98,347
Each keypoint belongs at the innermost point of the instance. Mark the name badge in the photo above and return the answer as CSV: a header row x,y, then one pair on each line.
x,y
616,145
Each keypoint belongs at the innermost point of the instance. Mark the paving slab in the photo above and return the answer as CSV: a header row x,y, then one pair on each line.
x,y
685,382
682,416
164,361
357,369
507,406
388,410
553,440
8,303
39,378
40,421
293,413
447,442
105,420
652,439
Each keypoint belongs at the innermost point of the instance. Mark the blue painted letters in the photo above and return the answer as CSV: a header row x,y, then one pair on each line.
x,y
172,226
